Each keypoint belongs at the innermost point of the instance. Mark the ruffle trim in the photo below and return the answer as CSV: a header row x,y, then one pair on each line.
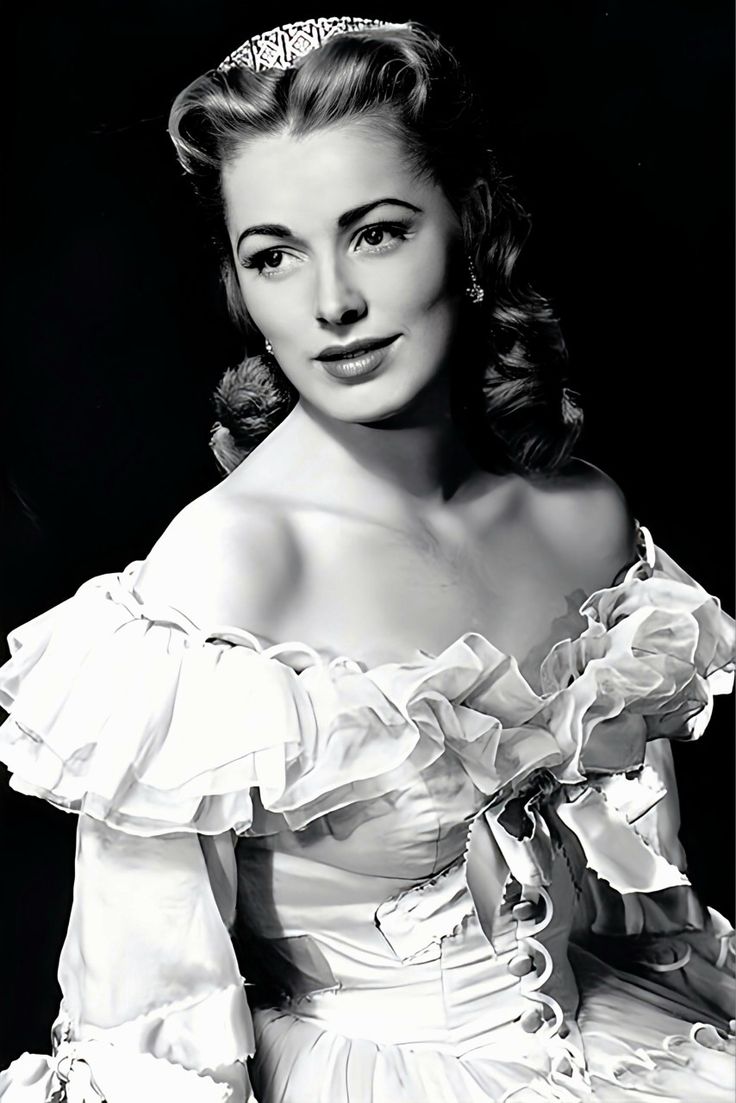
x,y
98,1072
136,716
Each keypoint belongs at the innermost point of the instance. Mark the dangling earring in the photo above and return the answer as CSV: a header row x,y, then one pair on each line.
x,y
474,291
269,348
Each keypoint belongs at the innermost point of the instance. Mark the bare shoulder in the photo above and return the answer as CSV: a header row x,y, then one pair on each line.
x,y
224,559
584,517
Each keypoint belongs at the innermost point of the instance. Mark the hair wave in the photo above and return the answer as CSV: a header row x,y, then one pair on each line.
x,y
511,392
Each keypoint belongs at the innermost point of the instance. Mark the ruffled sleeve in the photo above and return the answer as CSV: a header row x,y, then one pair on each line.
x,y
133,716
656,650
153,1004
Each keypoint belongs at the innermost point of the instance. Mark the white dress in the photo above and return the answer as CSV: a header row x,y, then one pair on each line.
x,y
273,894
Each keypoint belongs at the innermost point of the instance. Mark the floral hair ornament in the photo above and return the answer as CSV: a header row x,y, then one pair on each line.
x,y
282,47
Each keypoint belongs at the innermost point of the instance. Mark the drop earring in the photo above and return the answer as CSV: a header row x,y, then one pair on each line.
x,y
269,348
474,291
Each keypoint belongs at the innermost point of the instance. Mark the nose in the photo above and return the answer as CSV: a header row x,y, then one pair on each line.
x,y
338,300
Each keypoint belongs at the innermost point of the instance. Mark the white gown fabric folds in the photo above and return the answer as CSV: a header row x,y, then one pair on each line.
x,y
300,879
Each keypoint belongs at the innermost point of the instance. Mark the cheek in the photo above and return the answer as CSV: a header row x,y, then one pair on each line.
x,y
279,308
425,282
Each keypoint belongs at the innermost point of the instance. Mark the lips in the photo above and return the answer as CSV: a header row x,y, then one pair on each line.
x,y
354,348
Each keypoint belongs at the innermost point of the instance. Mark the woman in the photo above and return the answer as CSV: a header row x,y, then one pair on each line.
x,y
381,724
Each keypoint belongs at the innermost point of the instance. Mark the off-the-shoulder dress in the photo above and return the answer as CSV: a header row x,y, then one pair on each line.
x,y
303,880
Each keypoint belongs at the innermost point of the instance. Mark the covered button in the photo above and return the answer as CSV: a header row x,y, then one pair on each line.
x,y
521,965
526,909
531,1020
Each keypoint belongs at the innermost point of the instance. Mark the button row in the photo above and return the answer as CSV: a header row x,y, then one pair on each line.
x,y
525,962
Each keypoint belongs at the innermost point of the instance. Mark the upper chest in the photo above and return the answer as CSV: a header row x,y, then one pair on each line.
x,y
379,593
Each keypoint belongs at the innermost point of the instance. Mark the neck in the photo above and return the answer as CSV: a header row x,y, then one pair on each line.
x,y
417,453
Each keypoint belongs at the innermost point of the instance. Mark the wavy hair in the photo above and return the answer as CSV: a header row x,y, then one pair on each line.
x,y
510,391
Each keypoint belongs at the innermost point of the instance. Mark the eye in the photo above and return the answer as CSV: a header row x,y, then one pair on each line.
x,y
383,236
275,262
269,262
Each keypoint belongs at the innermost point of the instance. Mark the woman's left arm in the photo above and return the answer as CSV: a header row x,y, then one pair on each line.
x,y
657,648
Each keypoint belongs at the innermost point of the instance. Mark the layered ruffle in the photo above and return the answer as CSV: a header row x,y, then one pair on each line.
x,y
657,645
135,716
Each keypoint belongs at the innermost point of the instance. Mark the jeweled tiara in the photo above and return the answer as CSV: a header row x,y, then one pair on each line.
x,y
282,46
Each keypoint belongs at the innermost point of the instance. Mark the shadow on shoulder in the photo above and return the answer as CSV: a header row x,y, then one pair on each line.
x,y
585,518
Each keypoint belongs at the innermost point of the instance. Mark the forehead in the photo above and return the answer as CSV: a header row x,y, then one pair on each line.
x,y
288,179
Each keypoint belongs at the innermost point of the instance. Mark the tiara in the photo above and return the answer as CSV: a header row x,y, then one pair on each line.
x,y
282,46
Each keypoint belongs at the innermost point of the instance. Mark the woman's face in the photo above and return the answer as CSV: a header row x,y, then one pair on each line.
x,y
337,243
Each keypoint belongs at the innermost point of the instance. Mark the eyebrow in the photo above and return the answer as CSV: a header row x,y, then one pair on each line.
x,y
275,229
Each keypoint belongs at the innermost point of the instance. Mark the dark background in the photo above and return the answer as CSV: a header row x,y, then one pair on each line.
x,y
616,120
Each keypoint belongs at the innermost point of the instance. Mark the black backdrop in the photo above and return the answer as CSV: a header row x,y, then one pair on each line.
x,y
616,120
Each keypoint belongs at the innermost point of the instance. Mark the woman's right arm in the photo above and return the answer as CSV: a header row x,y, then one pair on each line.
x,y
122,712
153,1003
